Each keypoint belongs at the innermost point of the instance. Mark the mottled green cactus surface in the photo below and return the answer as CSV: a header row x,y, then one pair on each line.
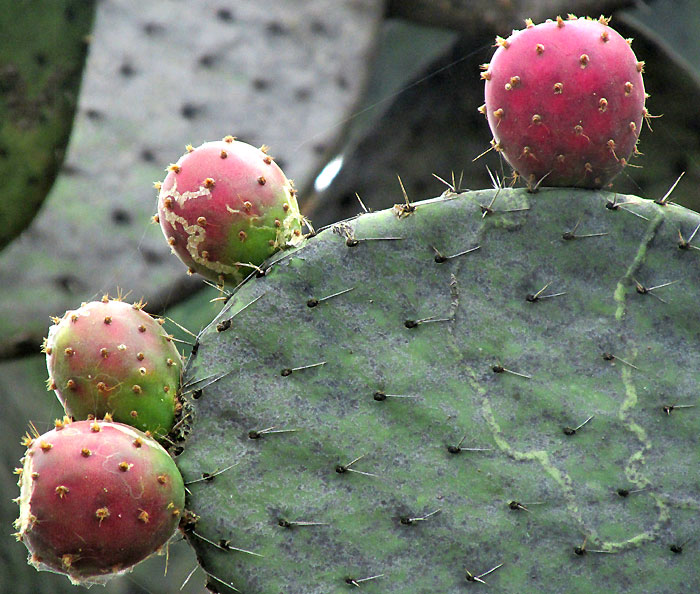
x,y
572,305
42,52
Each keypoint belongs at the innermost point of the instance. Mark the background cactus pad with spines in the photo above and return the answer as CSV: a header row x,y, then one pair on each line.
x,y
558,316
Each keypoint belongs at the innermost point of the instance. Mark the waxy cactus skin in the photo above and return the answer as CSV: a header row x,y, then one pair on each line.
x,y
96,498
506,412
111,357
565,102
225,207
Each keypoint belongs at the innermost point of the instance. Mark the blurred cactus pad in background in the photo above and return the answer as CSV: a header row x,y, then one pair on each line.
x,y
42,53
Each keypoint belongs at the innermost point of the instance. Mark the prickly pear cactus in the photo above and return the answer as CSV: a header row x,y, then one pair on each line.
x,y
225,207
400,404
41,63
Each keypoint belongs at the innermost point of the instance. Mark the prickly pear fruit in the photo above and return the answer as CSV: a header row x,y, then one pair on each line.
x,y
565,102
111,357
226,205
96,498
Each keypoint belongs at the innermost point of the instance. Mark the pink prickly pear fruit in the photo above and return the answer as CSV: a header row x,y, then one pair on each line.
x,y
111,357
565,102
96,498
226,207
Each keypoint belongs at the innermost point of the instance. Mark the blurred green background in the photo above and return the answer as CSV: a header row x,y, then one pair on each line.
x,y
96,98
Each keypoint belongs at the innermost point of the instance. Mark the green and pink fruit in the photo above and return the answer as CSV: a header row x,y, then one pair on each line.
x,y
111,357
565,102
96,498
226,207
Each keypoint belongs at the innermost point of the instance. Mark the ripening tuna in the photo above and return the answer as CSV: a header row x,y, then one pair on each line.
x,y
565,102
96,497
111,357
225,207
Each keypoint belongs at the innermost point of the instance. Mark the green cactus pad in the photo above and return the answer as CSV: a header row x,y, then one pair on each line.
x,y
576,304
41,63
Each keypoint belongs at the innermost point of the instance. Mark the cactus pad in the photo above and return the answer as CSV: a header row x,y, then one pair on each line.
x,y
41,64
400,404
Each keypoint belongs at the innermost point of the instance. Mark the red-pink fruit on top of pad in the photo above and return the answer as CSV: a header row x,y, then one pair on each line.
x,y
565,102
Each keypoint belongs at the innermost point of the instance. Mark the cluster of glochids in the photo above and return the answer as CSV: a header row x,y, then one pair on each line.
x,y
565,102
98,492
